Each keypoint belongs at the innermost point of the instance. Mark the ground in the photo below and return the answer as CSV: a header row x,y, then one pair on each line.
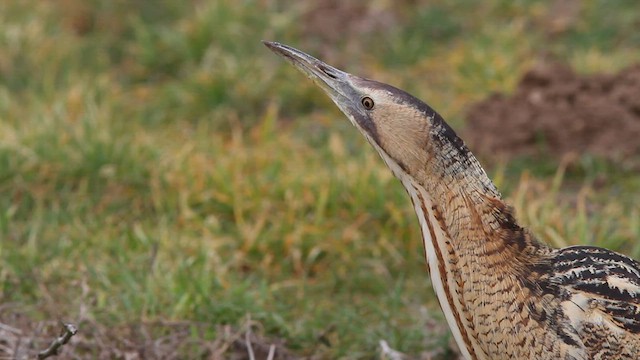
x,y
556,111
175,190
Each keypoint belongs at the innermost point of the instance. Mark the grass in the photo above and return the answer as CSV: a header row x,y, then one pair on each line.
x,y
158,164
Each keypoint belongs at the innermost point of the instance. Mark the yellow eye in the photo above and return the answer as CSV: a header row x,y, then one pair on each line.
x,y
367,102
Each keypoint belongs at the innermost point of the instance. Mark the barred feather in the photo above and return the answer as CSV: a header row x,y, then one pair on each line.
x,y
607,283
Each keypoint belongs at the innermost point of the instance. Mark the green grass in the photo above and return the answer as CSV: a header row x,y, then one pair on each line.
x,y
158,163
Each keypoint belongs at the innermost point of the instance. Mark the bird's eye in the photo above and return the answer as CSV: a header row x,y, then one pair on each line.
x,y
367,102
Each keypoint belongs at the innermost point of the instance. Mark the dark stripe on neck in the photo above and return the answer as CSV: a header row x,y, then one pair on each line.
x,y
443,272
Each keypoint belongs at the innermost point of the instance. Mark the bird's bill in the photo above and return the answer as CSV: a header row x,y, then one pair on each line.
x,y
336,83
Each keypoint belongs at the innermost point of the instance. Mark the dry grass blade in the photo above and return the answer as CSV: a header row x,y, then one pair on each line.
x,y
247,340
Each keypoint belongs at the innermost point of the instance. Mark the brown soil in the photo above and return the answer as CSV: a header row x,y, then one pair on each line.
x,y
556,111
23,338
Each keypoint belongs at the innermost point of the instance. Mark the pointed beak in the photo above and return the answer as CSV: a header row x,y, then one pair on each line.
x,y
334,82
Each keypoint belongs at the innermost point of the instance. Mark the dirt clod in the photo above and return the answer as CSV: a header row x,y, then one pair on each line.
x,y
558,112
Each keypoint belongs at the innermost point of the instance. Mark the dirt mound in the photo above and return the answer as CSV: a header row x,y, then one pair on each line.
x,y
556,111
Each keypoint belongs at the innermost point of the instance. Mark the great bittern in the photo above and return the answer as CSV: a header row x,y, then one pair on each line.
x,y
505,294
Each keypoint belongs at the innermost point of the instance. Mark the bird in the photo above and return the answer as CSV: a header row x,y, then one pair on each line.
x,y
505,294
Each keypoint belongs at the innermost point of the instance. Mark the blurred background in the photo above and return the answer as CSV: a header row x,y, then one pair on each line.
x,y
177,191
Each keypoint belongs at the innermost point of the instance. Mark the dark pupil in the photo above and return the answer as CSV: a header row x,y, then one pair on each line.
x,y
367,102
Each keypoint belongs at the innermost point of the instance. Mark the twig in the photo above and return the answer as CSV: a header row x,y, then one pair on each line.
x,y
10,329
247,340
272,352
389,353
52,350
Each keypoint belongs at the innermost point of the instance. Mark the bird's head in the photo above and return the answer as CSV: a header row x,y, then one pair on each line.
x,y
407,133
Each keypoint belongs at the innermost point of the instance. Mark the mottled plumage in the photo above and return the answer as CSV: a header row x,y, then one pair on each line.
x,y
505,294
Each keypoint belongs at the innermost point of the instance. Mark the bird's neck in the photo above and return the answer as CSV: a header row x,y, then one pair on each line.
x,y
474,218
466,205
472,243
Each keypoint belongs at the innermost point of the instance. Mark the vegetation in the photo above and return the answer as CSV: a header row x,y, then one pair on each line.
x,y
157,163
